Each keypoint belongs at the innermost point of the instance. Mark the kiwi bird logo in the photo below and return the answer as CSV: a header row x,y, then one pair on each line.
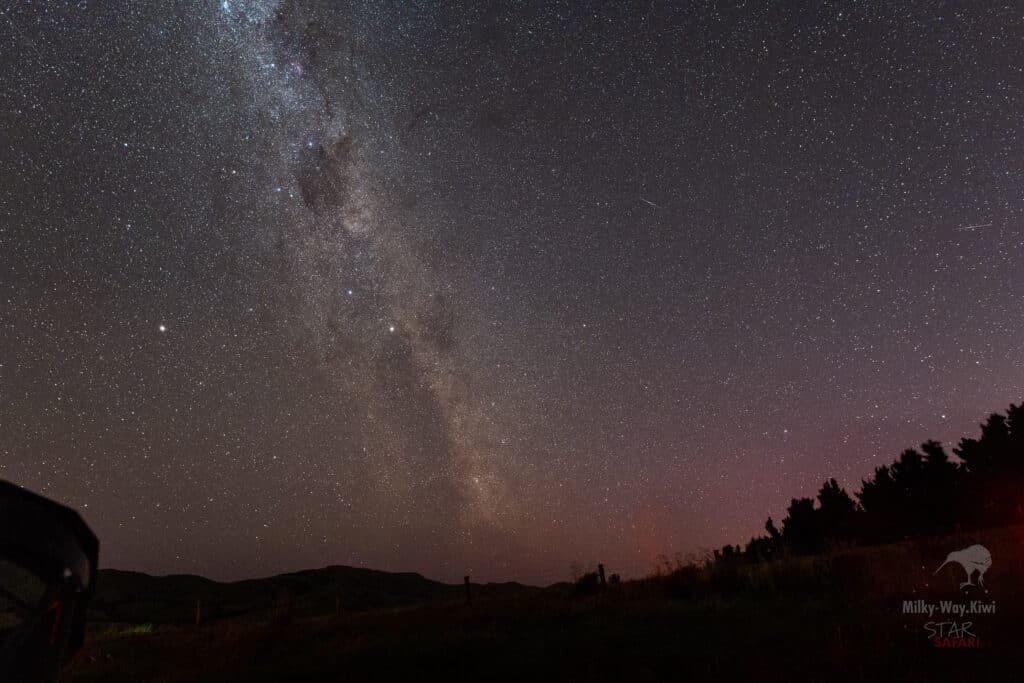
x,y
975,558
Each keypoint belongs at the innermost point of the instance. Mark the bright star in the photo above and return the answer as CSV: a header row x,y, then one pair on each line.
x,y
162,328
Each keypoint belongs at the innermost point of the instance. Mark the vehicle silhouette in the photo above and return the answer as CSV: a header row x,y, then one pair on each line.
x,y
48,561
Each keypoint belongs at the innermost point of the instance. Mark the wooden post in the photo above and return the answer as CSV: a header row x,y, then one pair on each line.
x,y
600,572
469,594
199,611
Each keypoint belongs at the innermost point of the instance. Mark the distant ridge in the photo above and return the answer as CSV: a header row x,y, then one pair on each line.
x,y
135,597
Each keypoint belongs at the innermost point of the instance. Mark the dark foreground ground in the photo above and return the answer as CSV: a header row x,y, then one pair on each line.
x,y
836,618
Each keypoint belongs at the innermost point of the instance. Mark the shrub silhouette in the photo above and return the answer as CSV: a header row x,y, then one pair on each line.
x,y
588,584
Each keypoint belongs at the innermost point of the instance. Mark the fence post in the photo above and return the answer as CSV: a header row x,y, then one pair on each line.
x,y
199,610
469,594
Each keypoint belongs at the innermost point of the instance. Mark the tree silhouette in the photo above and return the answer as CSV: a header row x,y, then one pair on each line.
x,y
879,499
838,513
923,492
995,468
801,528
941,498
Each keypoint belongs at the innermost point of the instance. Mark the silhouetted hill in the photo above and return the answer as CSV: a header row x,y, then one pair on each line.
x,y
134,597
839,617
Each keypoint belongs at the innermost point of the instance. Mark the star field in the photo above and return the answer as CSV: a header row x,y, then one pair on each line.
x,y
493,288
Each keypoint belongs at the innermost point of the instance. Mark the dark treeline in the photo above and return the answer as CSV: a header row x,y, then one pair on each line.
x,y
924,492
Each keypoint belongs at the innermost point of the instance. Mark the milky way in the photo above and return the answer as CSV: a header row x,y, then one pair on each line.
x,y
398,355
494,288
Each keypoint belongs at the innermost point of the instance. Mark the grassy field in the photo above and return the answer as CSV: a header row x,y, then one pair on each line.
x,y
823,618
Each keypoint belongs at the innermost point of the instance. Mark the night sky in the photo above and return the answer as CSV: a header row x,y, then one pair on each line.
x,y
493,289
